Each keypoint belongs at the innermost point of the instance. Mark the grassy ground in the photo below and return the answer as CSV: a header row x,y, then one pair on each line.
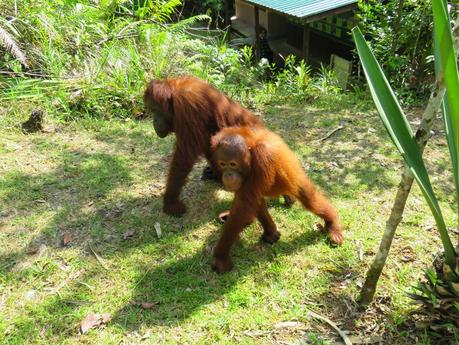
x,y
96,182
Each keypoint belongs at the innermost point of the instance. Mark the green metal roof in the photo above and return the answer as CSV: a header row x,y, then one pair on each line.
x,y
302,8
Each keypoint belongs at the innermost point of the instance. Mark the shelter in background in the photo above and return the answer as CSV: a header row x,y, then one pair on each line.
x,y
315,30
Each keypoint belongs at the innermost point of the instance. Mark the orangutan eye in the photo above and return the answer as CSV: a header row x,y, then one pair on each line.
x,y
233,164
222,164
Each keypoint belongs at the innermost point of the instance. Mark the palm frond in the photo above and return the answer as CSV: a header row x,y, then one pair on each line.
x,y
7,41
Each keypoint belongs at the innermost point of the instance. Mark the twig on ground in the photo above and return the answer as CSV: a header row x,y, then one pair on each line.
x,y
65,282
99,259
19,74
333,325
341,126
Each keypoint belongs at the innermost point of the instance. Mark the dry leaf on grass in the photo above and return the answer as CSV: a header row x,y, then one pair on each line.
x,y
36,249
289,324
366,340
94,321
158,229
148,305
342,334
32,250
144,305
223,216
67,238
98,258
128,234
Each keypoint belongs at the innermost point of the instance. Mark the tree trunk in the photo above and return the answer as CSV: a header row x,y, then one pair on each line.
x,y
396,215
422,136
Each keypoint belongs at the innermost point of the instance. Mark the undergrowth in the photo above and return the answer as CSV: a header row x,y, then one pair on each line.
x,y
92,61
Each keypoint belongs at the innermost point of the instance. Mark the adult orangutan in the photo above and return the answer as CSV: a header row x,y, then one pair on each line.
x,y
256,163
194,111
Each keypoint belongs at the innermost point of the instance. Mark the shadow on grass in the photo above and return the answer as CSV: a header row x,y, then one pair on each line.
x,y
181,287
79,195
80,178
178,287
343,154
80,190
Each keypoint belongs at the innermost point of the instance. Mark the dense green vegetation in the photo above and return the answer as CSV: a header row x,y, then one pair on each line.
x,y
93,61
400,32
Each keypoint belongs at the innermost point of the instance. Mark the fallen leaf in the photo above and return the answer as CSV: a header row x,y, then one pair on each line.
x,y
366,340
223,216
39,249
106,318
128,234
342,333
148,305
94,321
255,333
158,229
144,305
288,324
32,250
67,239
98,258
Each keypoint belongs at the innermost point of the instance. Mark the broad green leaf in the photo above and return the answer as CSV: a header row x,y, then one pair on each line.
x,y
446,69
400,132
453,148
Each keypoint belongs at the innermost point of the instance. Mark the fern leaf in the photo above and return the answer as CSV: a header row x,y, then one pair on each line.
x,y
164,10
190,21
7,41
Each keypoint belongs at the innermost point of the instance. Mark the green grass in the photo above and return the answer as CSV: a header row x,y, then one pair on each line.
x,y
97,179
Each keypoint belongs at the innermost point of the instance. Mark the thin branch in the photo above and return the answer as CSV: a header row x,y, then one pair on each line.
x,y
341,126
99,259
343,335
30,74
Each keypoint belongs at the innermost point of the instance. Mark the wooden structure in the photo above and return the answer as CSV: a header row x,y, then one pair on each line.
x,y
311,29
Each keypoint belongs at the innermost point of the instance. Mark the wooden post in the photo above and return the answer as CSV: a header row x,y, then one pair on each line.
x,y
257,33
306,42
227,21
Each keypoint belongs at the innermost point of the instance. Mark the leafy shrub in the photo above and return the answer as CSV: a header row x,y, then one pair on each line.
x,y
401,41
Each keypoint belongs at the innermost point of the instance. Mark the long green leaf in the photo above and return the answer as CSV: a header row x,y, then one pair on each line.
x,y
446,69
400,132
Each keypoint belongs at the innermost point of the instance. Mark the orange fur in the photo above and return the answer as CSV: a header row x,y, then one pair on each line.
x,y
274,170
197,111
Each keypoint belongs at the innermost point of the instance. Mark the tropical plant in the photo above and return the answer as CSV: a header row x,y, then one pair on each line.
x,y
212,8
159,10
400,33
7,42
440,292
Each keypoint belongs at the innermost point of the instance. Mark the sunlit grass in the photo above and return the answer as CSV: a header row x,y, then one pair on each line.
x,y
99,179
